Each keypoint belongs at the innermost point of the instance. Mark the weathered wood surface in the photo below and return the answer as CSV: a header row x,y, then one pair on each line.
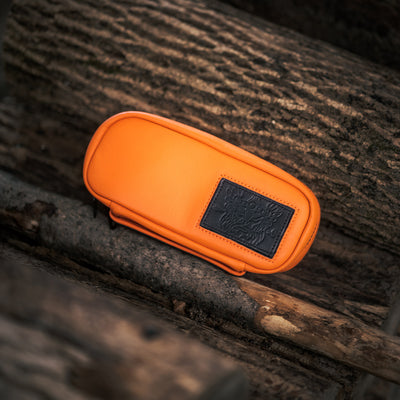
x,y
272,373
324,115
61,341
68,226
369,28
338,337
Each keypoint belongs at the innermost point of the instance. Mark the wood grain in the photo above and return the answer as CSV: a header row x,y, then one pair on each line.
x,y
273,370
368,28
52,220
60,340
342,339
322,114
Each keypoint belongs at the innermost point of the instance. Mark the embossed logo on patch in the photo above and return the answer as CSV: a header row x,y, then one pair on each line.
x,y
247,217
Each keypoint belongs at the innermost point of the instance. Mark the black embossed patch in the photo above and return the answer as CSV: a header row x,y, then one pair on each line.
x,y
247,217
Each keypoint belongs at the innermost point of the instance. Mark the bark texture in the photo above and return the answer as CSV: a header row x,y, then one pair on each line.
x,y
342,339
51,220
271,370
369,28
326,116
62,341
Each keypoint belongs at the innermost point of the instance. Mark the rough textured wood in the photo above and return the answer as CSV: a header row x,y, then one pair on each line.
x,y
323,115
369,28
52,220
340,338
62,341
270,368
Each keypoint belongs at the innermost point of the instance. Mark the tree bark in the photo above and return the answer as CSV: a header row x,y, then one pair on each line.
x,y
326,116
342,339
270,368
62,341
52,220
369,28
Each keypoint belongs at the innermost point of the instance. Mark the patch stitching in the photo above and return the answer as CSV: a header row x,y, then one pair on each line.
x,y
256,232
235,244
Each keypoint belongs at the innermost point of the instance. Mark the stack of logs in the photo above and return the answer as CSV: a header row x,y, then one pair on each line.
x,y
326,116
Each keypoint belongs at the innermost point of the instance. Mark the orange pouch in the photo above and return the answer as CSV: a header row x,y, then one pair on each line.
x,y
200,194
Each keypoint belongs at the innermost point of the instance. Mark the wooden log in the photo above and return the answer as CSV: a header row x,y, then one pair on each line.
x,y
311,327
61,341
324,115
369,29
53,220
340,275
270,371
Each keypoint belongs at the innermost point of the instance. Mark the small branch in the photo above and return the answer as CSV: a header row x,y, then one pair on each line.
x,y
344,339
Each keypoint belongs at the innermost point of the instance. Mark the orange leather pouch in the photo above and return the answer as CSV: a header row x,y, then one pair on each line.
x,y
201,194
